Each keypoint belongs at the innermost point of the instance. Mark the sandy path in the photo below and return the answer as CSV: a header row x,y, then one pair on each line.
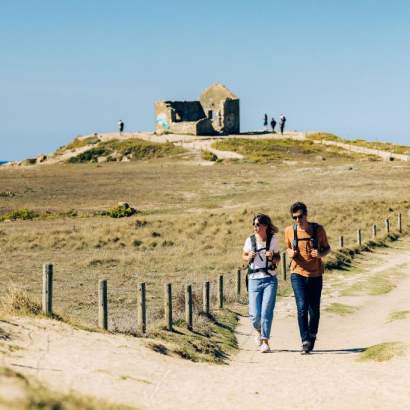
x,y
120,369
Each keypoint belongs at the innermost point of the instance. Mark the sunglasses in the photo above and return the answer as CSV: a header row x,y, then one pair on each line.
x,y
294,217
257,224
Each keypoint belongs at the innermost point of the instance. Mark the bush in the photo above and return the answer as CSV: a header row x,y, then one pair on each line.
x,y
25,214
121,211
208,156
7,194
17,301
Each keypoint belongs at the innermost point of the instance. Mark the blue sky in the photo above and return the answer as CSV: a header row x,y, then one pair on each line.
x,y
72,67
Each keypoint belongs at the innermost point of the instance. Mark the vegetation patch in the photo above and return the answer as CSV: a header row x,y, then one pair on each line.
x,y
7,194
121,211
36,396
208,156
78,142
382,146
18,302
399,315
341,309
263,151
24,214
212,339
383,352
133,149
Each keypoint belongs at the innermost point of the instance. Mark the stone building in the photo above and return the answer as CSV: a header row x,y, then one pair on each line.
x,y
216,112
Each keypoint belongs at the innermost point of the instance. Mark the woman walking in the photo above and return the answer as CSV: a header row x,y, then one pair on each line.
x,y
261,251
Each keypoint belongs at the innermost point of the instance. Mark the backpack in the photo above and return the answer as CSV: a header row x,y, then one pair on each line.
x,y
269,265
314,239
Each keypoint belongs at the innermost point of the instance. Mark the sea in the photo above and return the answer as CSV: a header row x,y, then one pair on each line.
x,y
3,162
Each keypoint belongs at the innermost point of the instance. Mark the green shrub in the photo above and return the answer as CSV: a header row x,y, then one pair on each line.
x,y
24,213
133,148
208,156
121,212
7,194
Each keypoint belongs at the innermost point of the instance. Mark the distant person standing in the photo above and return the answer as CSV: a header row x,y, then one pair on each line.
x,y
282,122
265,122
121,126
273,124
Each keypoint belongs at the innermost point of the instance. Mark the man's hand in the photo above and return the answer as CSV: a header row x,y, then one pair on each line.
x,y
292,253
315,253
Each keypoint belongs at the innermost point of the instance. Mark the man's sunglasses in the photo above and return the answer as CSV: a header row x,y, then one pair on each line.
x,y
294,217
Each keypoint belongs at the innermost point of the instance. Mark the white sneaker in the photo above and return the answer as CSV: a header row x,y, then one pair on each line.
x,y
264,348
258,340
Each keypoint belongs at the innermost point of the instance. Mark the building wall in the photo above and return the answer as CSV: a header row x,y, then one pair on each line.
x,y
231,117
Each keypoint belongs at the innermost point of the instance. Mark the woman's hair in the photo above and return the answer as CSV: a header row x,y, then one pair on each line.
x,y
265,220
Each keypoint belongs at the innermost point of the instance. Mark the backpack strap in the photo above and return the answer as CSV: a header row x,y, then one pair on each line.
x,y
295,242
253,245
314,238
268,241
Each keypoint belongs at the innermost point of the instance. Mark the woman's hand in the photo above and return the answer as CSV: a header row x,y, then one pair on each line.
x,y
269,255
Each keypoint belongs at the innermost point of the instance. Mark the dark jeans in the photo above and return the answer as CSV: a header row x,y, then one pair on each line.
x,y
307,295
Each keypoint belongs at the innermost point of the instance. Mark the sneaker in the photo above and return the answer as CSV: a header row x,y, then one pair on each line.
x,y
264,348
258,340
306,347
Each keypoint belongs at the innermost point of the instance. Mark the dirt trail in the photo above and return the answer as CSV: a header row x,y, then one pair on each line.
x,y
120,369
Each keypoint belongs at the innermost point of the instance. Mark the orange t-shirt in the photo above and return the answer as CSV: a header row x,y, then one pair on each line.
x,y
303,263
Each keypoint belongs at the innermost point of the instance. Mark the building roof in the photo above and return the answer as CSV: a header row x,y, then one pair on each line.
x,y
218,91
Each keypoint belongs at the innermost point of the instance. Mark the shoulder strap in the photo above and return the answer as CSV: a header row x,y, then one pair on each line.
x,y
253,245
268,241
315,241
295,237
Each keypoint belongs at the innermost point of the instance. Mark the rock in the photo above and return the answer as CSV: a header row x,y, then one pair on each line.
x,y
41,158
101,159
29,161
125,159
123,205
320,158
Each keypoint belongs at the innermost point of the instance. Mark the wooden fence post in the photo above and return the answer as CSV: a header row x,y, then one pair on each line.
x,y
374,231
341,242
399,223
221,292
283,264
47,297
142,307
206,298
359,237
387,225
238,284
102,304
188,306
168,305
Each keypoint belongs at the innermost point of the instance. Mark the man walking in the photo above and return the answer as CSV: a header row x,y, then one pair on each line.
x,y
306,245
282,121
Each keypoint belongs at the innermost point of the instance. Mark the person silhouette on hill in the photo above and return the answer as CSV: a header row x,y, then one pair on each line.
x,y
120,126
273,124
282,121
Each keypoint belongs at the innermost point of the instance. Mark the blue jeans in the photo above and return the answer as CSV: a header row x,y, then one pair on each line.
x,y
262,297
307,295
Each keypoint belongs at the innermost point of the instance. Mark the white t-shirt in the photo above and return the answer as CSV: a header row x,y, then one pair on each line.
x,y
260,259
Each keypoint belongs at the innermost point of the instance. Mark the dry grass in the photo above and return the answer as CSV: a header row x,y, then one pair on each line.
x,y
191,228
19,302
31,395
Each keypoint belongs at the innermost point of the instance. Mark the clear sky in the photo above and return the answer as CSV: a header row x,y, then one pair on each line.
x,y
72,67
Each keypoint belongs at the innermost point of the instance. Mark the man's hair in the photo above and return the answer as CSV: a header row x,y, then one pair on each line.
x,y
298,206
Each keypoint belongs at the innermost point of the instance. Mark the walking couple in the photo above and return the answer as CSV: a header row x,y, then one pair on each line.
x,y
306,244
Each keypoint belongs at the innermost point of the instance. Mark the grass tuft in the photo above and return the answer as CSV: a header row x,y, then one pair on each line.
x,y
399,315
383,352
18,302
341,309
